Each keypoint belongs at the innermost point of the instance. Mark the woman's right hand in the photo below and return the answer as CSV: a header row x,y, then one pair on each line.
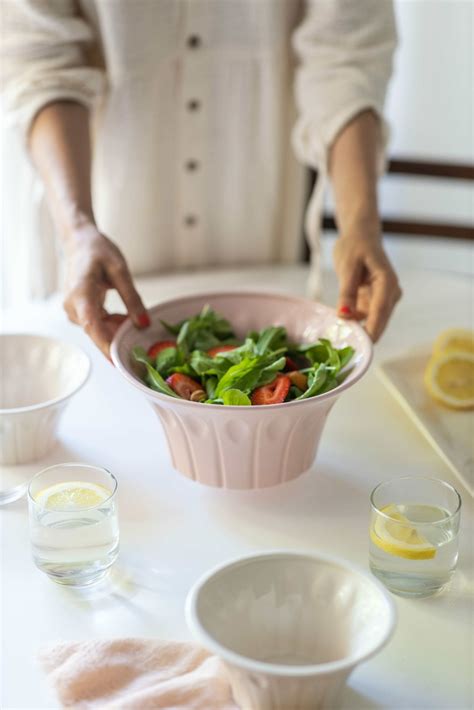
x,y
94,264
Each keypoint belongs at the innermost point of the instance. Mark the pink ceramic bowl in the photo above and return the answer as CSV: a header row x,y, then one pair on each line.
x,y
245,447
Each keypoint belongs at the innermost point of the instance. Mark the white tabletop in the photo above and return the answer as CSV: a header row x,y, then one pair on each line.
x,y
172,529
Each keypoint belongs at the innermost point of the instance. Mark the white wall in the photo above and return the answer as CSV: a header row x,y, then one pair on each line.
x,y
430,107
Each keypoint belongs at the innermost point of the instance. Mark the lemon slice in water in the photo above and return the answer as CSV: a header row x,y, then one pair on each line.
x,y
72,495
396,535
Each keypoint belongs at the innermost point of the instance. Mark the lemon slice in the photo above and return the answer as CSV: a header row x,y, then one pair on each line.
x,y
449,378
457,339
396,535
72,495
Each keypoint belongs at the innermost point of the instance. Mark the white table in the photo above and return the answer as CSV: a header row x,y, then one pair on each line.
x,y
172,530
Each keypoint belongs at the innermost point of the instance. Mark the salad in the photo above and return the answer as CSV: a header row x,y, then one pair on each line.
x,y
204,361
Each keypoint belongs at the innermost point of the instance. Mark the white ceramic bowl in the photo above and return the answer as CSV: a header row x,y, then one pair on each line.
x,y
38,376
245,447
289,627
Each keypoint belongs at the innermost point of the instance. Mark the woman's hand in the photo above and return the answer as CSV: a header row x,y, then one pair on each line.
x,y
368,285
95,265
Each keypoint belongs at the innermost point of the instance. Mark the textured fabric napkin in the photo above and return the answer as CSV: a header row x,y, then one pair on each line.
x,y
136,674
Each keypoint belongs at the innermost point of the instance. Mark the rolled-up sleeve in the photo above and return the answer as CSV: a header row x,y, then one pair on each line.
x,y
345,49
43,58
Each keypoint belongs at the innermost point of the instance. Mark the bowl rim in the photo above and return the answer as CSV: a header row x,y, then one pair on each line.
x,y
236,659
56,400
154,395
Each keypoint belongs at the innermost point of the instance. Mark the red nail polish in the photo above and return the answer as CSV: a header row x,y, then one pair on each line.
x,y
143,320
345,310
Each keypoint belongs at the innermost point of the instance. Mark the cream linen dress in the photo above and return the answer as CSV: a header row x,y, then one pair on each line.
x,y
199,108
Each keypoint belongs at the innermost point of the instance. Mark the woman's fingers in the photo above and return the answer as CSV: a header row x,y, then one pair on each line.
x,y
91,317
385,293
350,277
120,278
95,265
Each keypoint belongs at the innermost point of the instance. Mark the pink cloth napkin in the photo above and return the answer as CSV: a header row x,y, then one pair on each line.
x,y
136,674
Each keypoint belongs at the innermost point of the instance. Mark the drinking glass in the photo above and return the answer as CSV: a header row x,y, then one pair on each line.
x,y
414,530
73,522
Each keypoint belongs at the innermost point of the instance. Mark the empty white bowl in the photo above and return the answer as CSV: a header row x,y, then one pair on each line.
x,y
289,627
38,376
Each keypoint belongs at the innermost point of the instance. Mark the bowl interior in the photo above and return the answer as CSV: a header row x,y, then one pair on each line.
x,y
36,370
305,321
293,610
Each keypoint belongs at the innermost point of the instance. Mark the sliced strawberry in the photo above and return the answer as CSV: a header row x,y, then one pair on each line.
x,y
157,347
183,385
220,349
274,393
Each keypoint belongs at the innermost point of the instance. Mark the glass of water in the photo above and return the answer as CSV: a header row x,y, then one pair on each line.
x,y
73,522
414,530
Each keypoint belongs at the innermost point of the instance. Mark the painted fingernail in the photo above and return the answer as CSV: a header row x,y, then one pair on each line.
x,y
143,320
345,310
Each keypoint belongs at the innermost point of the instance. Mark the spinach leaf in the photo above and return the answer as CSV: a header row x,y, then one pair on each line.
x,y
235,398
242,376
204,331
316,353
269,372
167,360
204,364
153,378
210,384
251,372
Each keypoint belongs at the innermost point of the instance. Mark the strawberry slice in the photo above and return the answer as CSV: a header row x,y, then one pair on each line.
x,y
183,385
160,345
273,393
220,349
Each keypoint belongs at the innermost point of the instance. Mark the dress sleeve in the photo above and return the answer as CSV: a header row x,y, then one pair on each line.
x,y
43,58
345,50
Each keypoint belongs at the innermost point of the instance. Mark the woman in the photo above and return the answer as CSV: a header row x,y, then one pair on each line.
x,y
190,105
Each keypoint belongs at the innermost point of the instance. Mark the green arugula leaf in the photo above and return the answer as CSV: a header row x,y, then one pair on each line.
x,y
235,398
345,355
269,372
330,384
316,380
139,354
173,329
270,339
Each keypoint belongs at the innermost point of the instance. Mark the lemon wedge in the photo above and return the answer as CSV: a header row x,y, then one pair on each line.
x,y
396,535
457,339
72,495
449,378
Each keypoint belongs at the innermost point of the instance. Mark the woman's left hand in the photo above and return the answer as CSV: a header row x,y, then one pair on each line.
x,y
368,285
